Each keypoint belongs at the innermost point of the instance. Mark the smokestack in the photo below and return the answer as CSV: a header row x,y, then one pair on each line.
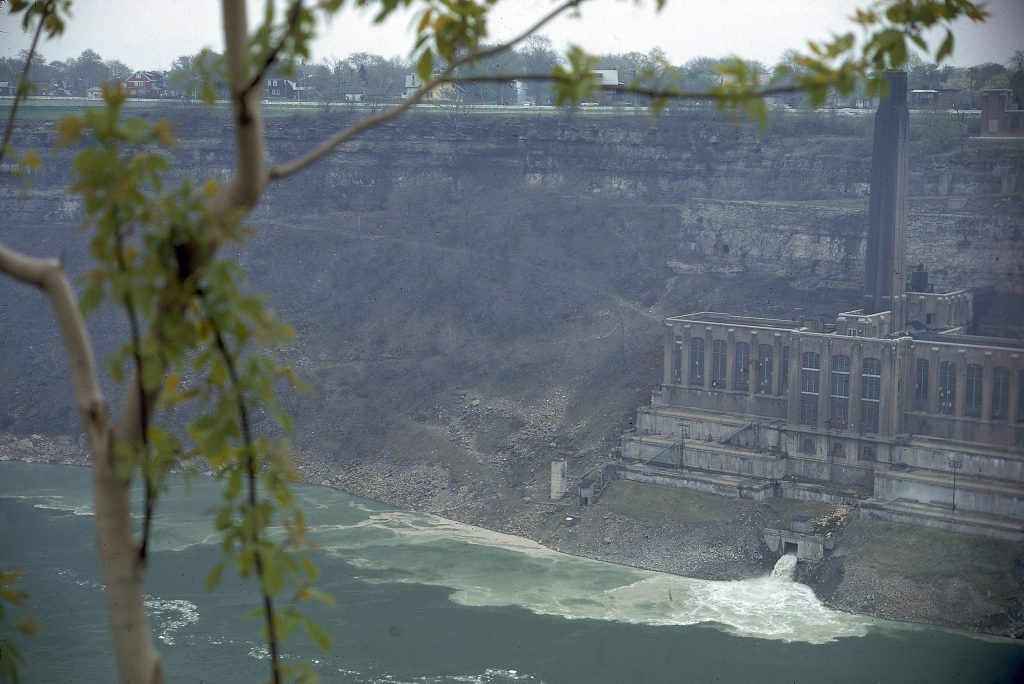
x,y
884,264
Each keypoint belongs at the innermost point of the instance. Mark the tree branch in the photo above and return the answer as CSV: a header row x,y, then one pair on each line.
x,y
149,503
293,20
22,92
48,275
294,166
137,659
250,177
502,47
623,89
249,447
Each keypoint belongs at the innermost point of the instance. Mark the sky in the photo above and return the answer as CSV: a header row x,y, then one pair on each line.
x,y
149,34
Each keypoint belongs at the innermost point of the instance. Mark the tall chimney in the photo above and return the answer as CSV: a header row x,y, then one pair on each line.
x,y
884,264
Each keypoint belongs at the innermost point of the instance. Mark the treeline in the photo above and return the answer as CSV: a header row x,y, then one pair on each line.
x,y
369,77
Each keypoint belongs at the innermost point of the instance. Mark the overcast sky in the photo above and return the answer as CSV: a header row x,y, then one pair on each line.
x,y
149,34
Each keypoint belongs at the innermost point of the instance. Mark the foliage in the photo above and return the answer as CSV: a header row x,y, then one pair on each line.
x,y
200,344
205,345
10,655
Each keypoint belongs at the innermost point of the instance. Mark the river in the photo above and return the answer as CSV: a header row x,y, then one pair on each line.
x,y
421,599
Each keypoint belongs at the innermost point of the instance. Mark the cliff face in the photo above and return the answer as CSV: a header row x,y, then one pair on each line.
x,y
476,294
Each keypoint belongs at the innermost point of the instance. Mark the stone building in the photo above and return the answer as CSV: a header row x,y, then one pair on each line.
x,y
998,119
891,406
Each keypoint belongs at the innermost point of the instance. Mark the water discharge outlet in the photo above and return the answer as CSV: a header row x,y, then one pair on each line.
x,y
785,568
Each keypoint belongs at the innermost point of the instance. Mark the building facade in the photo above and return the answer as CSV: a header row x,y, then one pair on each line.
x,y
892,406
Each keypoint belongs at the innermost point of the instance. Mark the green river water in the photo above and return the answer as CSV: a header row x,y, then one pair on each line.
x,y
425,600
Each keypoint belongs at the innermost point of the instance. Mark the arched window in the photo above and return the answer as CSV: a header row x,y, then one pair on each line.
x,y
741,372
697,361
839,398
972,396
921,385
810,383
764,369
947,388
870,394
1000,393
718,364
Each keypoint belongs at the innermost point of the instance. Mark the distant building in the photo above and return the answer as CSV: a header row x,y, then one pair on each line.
x,y
943,98
146,84
281,89
607,78
445,92
8,89
354,94
893,406
997,119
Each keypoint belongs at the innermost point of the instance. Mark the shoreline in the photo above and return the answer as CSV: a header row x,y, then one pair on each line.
x,y
705,551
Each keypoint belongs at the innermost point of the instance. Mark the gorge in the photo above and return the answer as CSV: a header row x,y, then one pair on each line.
x,y
479,294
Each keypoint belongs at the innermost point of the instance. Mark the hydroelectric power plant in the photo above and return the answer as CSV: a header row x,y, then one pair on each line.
x,y
892,408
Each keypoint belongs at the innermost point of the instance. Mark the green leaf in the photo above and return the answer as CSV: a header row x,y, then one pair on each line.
x,y
946,49
319,636
91,298
213,579
425,66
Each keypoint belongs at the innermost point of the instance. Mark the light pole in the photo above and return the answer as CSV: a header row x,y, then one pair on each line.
x,y
955,464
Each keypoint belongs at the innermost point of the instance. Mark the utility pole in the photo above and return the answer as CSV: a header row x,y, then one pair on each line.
x,y
955,464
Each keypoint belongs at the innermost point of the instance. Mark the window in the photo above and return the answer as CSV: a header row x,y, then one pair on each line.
x,y
810,372
854,332
718,363
784,372
741,373
810,376
1020,397
947,388
870,394
868,454
837,450
807,446
839,404
677,360
921,385
764,369
972,397
1000,393
697,361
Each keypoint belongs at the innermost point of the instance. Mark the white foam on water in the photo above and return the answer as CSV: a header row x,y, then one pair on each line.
x,y
170,615
785,568
53,502
76,577
488,676
259,652
551,583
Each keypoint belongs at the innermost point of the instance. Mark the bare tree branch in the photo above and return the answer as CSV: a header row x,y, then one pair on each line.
x,y
291,167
